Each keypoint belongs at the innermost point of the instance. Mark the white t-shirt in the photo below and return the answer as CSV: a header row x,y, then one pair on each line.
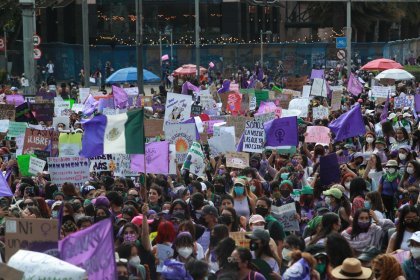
x,y
50,68
200,251
404,242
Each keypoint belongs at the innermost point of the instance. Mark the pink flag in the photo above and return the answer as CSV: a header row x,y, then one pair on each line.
x,y
211,64
165,57
120,97
157,159
354,86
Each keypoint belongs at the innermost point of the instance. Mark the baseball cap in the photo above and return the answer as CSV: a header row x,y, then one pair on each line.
x,y
334,192
357,155
13,88
256,219
239,181
415,237
101,201
391,116
368,254
258,233
210,210
307,190
87,189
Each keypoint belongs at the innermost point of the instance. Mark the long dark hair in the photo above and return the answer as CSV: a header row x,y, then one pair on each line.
x,y
328,221
401,225
358,187
355,228
338,249
235,219
378,165
246,256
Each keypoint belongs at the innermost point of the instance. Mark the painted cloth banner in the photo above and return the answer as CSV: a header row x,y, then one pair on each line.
x,y
91,249
68,169
157,159
195,160
281,132
178,108
182,136
253,137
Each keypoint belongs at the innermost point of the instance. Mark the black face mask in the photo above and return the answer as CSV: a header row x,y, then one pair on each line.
x,y
100,218
412,225
225,220
219,189
285,193
261,211
253,246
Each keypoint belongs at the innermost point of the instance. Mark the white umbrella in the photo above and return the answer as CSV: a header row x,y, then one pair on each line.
x,y
396,74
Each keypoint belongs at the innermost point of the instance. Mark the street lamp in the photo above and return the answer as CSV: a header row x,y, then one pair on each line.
x,y
261,45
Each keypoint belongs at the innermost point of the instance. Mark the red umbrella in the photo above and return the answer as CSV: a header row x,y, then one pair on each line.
x,y
382,64
189,69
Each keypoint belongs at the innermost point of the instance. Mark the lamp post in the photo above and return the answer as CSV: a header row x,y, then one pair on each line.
x,y
261,46
139,45
86,55
197,38
160,52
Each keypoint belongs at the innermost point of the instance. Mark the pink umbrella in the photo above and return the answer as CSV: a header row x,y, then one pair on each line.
x,y
189,69
382,64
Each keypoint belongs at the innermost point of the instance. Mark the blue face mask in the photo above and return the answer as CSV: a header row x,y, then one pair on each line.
x,y
367,205
284,176
239,190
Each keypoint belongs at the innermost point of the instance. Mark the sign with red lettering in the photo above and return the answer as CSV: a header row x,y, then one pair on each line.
x,y
68,169
44,140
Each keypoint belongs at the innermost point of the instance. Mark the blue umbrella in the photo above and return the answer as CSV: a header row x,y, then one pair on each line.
x,y
130,75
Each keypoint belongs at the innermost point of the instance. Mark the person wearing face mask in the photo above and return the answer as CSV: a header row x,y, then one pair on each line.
x,y
411,267
373,171
130,253
338,204
363,232
306,201
291,243
243,205
401,139
346,180
404,156
411,175
388,187
183,246
373,202
247,271
369,147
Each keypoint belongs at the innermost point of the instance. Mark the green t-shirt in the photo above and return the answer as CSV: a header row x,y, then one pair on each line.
x,y
275,228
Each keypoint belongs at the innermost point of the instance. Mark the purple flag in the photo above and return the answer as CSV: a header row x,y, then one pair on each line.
x,y
93,136
240,146
189,86
417,102
4,187
157,159
317,73
354,86
329,169
348,124
281,132
384,114
15,99
225,86
120,97
89,106
91,249
105,103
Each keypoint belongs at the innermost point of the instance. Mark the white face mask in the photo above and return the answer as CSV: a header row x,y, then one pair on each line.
x,y
135,261
347,185
328,200
285,253
79,216
391,170
257,227
369,140
185,252
415,252
402,156
410,170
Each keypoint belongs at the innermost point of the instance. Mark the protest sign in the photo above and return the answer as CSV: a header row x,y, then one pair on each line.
x,y
230,130
36,165
234,103
60,107
153,128
237,160
68,169
157,158
240,238
65,120
40,140
281,132
4,126
10,273
42,154
252,102
172,159
306,91
216,128
22,233
194,161
78,107
320,112
381,92
263,118
209,125
329,169
132,91
69,144
284,100
178,108
207,101
196,110
293,93
37,265
16,129
19,144
266,107
261,95
317,134
23,164
163,252
42,111
300,104
83,94
91,249
7,112
403,101
336,100
182,136
253,137
290,113
123,165
319,87
221,144
239,123
296,83
24,114
101,163
286,214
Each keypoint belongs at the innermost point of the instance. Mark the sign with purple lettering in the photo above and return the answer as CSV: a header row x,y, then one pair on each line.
x,y
91,249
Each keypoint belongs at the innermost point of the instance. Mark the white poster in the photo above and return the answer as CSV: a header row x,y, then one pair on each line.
x,y
83,94
68,169
286,214
320,112
178,108
221,144
381,92
123,166
61,108
306,91
300,104
172,159
253,137
319,87
36,165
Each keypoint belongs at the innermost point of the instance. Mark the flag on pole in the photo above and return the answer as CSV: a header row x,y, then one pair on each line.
x,y
4,187
157,159
349,124
354,86
120,97
188,86
114,134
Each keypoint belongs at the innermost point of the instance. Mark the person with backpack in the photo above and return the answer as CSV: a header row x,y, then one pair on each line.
x,y
388,187
247,271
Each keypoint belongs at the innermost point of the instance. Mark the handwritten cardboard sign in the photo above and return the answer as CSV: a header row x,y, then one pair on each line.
x,y
7,112
317,134
237,160
36,165
68,169
296,83
286,214
153,127
253,137
239,123
24,233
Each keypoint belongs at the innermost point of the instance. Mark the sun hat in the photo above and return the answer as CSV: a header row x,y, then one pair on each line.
x,y
391,116
392,163
334,192
351,269
256,219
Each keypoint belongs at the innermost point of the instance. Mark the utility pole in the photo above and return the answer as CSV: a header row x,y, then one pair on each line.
x,y
261,49
139,45
348,35
160,52
27,7
86,57
172,50
197,38
5,49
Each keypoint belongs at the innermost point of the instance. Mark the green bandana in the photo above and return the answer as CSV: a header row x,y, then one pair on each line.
x,y
391,177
